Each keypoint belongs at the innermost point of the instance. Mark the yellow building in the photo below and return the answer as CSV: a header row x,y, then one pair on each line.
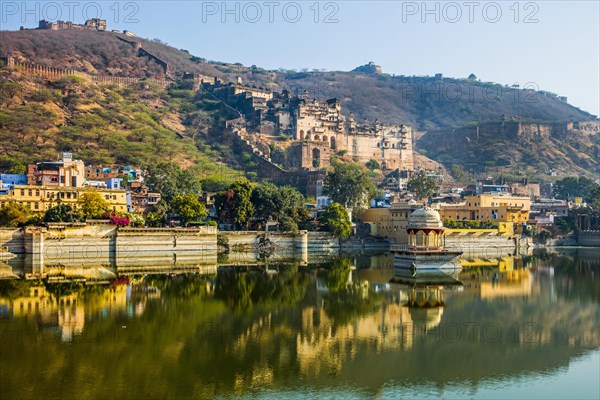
x,y
41,198
487,208
390,223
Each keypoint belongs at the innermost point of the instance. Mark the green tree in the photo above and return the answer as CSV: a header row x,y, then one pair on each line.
x,y
154,220
373,165
293,213
282,203
62,213
14,214
458,172
170,181
267,201
234,205
337,221
188,207
349,185
571,187
422,185
92,204
11,165
8,90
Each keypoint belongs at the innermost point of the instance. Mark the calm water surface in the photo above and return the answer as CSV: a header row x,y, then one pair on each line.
x,y
507,328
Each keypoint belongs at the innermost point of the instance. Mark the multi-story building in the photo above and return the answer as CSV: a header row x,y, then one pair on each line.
x,y
503,186
319,130
390,222
487,208
41,198
545,211
64,173
322,130
104,173
142,201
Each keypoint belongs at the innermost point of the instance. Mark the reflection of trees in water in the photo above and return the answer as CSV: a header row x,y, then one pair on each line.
x,y
347,301
256,287
351,303
13,288
338,275
183,285
59,290
189,344
576,271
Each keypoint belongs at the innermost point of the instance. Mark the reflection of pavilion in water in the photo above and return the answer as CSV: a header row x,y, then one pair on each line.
x,y
409,311
65,314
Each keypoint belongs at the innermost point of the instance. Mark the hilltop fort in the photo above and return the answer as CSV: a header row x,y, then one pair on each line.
x,y
94,24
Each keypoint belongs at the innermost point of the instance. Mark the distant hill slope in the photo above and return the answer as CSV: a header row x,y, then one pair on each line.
x,y
424,102
530,149
104,124
434,106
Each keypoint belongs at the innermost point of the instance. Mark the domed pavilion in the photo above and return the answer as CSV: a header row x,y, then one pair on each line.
x,y
425,230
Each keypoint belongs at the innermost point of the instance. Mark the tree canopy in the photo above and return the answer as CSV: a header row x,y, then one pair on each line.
x,y
188,207
337,220
571,187
234,205
280,203
92,204
422,185
170,181
14,214
349,185
62,213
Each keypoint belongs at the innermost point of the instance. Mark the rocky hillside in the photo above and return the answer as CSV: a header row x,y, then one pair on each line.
x,y
439,108
519,147
102,124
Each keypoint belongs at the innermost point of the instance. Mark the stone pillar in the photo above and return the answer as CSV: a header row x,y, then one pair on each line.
x,y
301,245
34,250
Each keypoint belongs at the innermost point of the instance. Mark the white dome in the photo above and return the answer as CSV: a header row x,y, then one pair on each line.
x,y
425,218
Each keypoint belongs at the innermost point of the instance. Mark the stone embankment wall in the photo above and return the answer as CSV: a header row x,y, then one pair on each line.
x,y
588,238
251,247
90,250
138,249
483,241
100,251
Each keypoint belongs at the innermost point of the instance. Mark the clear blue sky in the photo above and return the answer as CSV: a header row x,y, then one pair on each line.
x,y
554,44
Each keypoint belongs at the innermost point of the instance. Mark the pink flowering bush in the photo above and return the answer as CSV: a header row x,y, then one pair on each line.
x,y
118,220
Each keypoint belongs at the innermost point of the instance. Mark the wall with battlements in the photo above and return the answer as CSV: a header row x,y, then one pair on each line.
x,y
57,73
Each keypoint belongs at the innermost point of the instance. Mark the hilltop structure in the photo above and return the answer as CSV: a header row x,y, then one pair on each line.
x,y
318,129
370,68
95,24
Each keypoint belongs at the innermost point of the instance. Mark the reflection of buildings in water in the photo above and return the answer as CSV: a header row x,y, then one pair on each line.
x,y
489,284
504,263
110,301
413,311
64,313
138,297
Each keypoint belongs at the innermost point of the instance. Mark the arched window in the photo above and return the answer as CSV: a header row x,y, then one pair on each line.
x,y
301,135
316,153
325,139
317,138
333,145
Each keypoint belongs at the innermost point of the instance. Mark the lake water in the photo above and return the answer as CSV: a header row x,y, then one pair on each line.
x,y
507,328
